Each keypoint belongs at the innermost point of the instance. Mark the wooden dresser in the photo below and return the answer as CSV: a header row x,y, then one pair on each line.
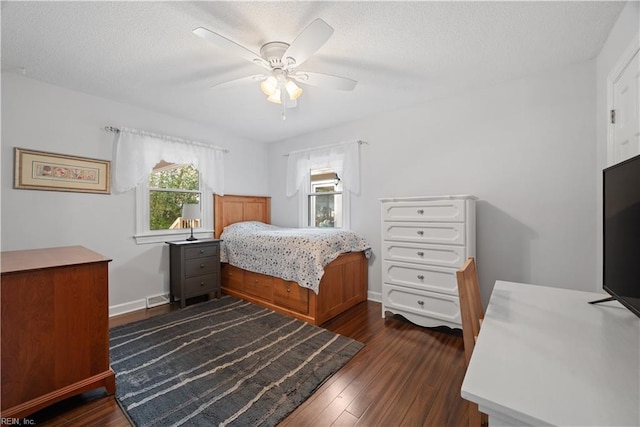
x,y
55,327
425,240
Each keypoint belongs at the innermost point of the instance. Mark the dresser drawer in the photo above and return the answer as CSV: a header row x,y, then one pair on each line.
x,y
424,304
200,285
432,210
258,285
451,233
421,277
201,266
199,251
447,256
290,295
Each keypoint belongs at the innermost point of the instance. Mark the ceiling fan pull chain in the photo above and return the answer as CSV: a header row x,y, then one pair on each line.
x,y
283,101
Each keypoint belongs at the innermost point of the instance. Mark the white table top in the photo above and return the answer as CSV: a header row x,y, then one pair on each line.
x,y
547,357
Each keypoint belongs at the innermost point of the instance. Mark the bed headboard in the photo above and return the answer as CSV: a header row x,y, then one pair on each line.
x,y
230,209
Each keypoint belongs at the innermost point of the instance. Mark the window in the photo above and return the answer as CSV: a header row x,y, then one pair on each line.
x,y
160,200
325,201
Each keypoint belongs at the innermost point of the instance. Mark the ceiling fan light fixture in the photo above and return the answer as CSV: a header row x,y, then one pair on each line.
x,y
293,90
275,97
269,86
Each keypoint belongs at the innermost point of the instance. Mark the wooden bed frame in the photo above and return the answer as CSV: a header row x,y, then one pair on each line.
x,y
343,285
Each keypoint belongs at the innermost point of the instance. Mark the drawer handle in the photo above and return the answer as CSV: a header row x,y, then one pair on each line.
x,y
420,276
201,283
420,211
420,233
420,302
201,251
201,265
420,253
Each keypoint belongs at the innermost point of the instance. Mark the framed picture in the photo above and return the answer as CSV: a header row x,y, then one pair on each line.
x,y
39,170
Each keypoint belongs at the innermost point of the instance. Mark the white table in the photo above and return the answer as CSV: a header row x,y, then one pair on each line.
x,y
545,356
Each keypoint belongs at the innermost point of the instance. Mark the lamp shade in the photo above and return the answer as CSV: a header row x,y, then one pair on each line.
x,y
269,85
275,98
191,211
293,90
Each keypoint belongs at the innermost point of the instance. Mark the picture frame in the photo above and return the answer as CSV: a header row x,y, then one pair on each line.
x,y
41,170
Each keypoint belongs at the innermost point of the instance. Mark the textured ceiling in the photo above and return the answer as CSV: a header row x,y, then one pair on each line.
x,y
401,53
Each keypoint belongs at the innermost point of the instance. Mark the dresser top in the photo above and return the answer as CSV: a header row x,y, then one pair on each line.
x,y
37,259
427,198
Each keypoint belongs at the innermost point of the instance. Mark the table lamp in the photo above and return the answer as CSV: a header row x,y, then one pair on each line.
x,y
191,212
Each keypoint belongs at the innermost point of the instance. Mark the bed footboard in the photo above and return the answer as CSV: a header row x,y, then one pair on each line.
x,y
343,285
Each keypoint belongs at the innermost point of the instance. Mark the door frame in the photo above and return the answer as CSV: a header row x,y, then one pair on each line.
x,y
614,75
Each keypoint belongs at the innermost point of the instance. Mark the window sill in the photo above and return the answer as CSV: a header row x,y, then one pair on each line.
x,y
162,237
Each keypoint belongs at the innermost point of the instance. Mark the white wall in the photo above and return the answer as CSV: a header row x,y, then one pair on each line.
x,y
624,33
41,116
525,148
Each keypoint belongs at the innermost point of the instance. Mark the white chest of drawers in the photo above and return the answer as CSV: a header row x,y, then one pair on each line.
x,y
425,240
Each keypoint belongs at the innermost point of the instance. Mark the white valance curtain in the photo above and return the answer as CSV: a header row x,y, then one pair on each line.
x,y
343,158
136,152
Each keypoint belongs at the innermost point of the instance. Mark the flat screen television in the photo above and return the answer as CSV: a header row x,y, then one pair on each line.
x,y
621,228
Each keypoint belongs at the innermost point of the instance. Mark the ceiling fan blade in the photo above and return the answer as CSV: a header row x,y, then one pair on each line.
x,y
324,80
307,43
240,81
230,46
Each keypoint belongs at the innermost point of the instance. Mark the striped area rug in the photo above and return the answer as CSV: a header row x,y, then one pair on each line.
x,y
222,362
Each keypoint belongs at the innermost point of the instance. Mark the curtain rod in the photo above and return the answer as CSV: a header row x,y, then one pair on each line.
x,y
360,142
117,130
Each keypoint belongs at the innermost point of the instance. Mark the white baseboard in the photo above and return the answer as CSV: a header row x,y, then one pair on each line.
x,y
374,296
127,307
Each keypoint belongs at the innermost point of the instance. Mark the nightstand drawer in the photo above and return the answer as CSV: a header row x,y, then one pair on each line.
x,y
200,285
201,251
201,266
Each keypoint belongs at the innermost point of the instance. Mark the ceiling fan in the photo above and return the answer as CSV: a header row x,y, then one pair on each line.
x,y
281,61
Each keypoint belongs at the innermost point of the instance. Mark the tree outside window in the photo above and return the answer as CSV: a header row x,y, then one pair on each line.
x,y
170,186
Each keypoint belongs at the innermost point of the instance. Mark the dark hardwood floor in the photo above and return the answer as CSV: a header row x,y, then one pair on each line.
x,y
404,376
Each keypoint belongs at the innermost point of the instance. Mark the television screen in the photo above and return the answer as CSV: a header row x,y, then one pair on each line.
x,y
621,227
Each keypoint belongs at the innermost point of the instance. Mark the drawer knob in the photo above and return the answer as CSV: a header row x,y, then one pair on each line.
x,y
420,233
420,211
420,276
288,289
201,283
201,251
420,302
420,253
201,265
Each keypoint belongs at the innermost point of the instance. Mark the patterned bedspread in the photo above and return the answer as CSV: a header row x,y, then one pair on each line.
x,y
297,254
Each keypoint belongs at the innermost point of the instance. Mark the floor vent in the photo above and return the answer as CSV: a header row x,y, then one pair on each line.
x,y
157,300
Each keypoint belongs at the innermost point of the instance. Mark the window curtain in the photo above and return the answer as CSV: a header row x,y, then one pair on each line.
x,y
343,158
137,152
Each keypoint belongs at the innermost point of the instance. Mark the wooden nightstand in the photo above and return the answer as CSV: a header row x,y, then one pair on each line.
x,y
195,269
